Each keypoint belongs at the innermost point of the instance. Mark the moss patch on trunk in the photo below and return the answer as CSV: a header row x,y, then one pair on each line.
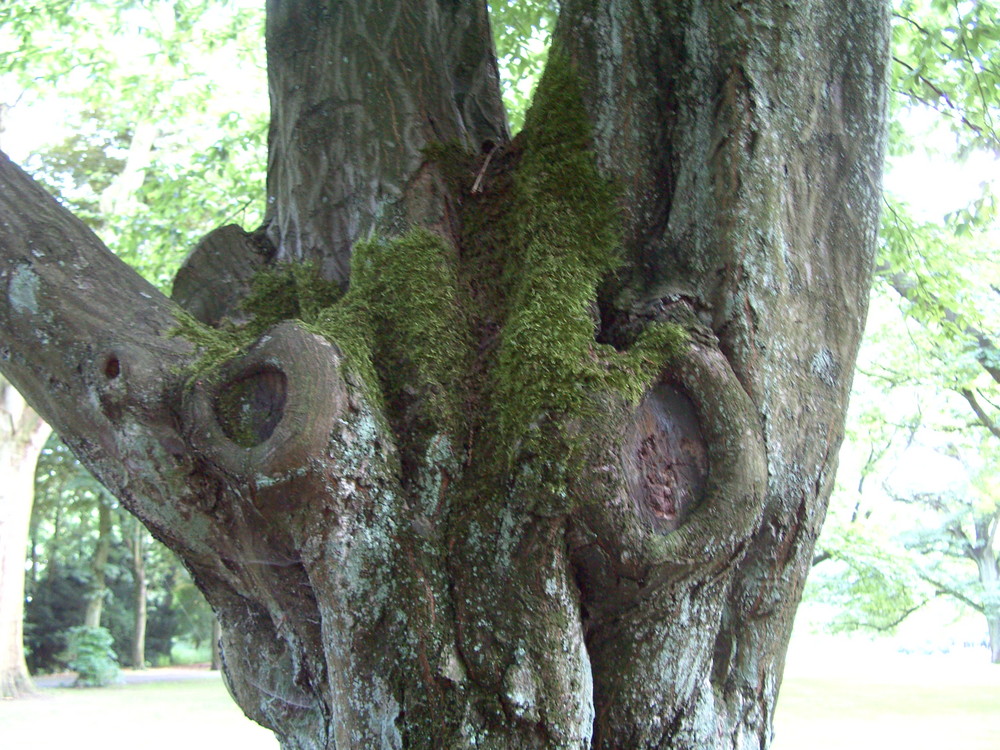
x,y
531,259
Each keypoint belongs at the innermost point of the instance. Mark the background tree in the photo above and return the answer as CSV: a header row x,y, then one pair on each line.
x,y
64,536
963,527
124,169
560,448
137,544
928,375
22,434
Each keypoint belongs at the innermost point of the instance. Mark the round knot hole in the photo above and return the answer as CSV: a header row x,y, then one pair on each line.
x,y
112,367
250,406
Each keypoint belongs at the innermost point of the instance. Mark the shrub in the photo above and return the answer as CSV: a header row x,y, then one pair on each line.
x,y
89,654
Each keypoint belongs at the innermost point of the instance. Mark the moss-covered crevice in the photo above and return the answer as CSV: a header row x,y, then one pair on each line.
x,y
548,237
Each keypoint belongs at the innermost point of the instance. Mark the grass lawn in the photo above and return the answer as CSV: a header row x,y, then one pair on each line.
x,y
191,714
836,695
842,694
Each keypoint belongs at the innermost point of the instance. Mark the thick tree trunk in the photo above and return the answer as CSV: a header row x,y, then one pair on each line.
x,y
22,435
549,473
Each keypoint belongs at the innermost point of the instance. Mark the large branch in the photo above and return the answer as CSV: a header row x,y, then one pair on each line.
x,y
232,471
83,336
980,412
346,138
88,343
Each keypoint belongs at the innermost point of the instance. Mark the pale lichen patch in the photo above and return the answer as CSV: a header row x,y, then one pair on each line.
x,y
23,289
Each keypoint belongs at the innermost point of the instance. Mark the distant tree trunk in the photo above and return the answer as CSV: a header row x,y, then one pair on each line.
x,y
216,644
993,625
987,561
137,547
546,468
98,568
22,435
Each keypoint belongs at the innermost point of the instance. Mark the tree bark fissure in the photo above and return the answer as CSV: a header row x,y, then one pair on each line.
x,y
445,513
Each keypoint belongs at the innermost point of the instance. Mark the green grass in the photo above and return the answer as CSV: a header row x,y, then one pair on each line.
x,y
189,714
825,714
839,693
836,694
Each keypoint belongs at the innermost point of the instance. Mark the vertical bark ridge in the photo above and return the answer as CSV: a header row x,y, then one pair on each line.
x,y
347,135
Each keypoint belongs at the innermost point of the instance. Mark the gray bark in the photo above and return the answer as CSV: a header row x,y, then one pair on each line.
x,y
361,72
629,576
749,138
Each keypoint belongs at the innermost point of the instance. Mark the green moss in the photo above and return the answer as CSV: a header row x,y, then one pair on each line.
x,y
288,291
400,327
454,161
420,332
216,346
561,241
499,334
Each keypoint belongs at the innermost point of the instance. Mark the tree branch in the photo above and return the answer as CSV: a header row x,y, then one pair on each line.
x,y
88,343
985,418
906,287
888,626
948,590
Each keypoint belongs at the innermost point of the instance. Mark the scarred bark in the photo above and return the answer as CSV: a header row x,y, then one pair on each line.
x,y
473,503
749,141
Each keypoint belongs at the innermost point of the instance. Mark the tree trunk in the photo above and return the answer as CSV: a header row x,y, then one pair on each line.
x,y
216,644
546,469
98,568
987,562
22,435
138,549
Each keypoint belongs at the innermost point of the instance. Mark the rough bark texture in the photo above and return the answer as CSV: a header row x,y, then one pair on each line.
x,y
385,79
22,435
549,473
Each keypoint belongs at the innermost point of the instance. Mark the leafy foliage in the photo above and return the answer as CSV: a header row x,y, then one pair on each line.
x,y
63,536
928,378
521,29
180,151
89,654
946,56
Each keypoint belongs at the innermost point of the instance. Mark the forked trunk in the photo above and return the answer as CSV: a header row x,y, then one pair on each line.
x,y
543,466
